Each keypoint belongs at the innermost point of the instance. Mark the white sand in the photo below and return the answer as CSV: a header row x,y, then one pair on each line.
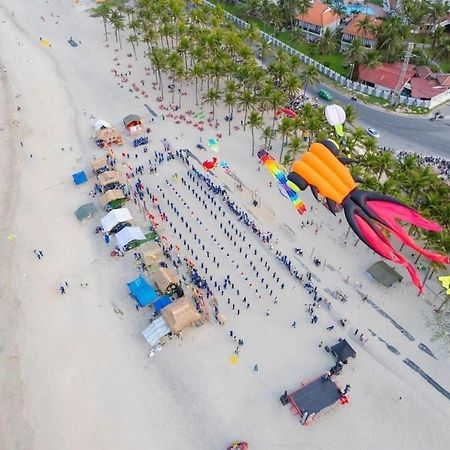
x,y
74,369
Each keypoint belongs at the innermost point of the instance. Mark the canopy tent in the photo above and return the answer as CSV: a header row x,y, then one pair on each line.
x,y
115,217
109,136
85,211
314,397
384,274
132,122
79,178
142,291
180,315
99,166
101,124
109,196
155,331
343,350
109,180
152,254
164,279
128,235
161,303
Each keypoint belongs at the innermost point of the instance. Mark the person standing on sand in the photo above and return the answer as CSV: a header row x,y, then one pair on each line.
x,y
255,368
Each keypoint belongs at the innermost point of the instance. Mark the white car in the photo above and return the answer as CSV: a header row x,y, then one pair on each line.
x,y
372,132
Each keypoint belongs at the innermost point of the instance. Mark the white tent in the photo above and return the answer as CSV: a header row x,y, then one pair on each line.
x,y
155,331
128,234
114,217
101,124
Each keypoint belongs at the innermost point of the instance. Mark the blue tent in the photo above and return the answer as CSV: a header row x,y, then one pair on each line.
x,y
161,303
79,177
142,291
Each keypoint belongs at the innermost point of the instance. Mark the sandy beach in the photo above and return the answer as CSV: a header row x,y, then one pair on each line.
x,y
75,371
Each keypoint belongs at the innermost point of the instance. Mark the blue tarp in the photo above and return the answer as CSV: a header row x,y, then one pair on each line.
x,y
79,177
161,303
142,291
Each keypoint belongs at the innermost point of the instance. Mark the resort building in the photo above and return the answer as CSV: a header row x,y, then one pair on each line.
x,y
316,20
353,29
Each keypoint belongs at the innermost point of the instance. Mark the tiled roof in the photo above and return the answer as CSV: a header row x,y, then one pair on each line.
x,y
386,75
352,27
443,79
424,89
319,14
423,72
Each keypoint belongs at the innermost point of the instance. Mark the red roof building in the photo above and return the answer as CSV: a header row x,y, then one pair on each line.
x,y
420,82
386,75
317,19
351,30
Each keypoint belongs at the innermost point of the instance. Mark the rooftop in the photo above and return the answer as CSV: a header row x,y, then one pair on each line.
x,y
352,27
386,75
319,14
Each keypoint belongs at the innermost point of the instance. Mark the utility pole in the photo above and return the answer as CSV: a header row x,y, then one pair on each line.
x,y
401,79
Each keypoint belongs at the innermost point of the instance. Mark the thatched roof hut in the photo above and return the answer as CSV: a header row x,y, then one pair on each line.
x,y
180,315
164,279
152,254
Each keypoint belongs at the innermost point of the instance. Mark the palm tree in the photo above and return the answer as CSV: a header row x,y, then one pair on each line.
x,y
133,39
442,50
158,58
116,19
355,55
284,129
245,101
327,43
309,76
365,26
254,121
350,115
291,85
438,36
294,147
372,59
268,133
264,50
212,97
438,12
276,101
197,71
230,101
102,11
391,35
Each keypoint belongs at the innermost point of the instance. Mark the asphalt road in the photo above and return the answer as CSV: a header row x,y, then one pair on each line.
x,y
409,133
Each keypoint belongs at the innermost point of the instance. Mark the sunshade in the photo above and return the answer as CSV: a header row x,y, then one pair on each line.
x,y
129,234
114,217
79,177
101,124
155,331
142,291
85,211
109,196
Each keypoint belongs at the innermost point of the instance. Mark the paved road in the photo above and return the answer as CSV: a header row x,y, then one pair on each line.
x,y
401,132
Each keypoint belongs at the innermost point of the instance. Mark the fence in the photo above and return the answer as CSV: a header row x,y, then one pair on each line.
x,y
338,78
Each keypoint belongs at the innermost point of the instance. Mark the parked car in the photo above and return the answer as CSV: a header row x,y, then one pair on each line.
x,y
324,94
372,132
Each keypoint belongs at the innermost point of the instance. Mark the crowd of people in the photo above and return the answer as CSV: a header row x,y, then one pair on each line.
x,y
440,165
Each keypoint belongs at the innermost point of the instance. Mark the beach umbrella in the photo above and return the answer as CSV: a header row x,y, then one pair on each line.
x,y
335,116
234,359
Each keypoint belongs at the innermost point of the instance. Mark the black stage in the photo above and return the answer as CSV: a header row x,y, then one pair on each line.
x,y
316,396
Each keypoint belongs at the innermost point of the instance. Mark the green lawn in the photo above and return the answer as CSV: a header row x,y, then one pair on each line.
x,y
334,61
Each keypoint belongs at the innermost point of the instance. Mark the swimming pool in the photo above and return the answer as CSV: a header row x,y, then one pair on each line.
x,y
352,9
